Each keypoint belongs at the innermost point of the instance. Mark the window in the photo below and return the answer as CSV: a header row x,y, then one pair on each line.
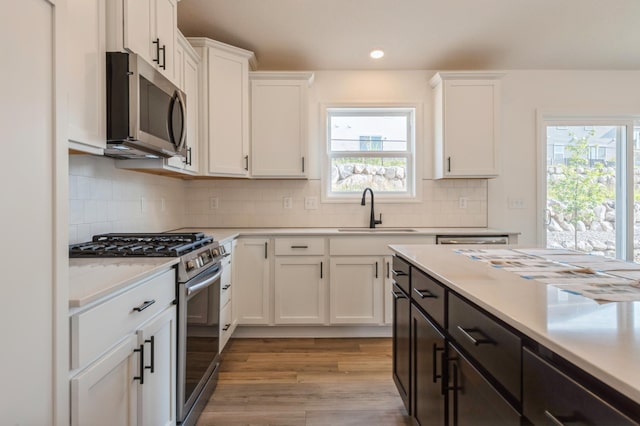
x,y
370,147
591,193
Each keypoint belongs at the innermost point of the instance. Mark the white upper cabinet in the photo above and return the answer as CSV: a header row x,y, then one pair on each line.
x,y
146,27
224,115
86,38
279,124
466,124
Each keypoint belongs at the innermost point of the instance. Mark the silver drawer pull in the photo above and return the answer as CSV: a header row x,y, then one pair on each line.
x,y
398,273
425,294
144,306
477,342
299,247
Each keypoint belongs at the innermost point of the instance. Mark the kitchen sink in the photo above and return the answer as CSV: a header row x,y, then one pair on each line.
x,y
375,230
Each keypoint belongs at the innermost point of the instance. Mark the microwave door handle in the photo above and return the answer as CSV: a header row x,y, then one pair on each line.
x,y
177,100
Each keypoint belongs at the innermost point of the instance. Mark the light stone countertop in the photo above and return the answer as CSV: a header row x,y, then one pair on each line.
x,y
93,278
601,339
224,234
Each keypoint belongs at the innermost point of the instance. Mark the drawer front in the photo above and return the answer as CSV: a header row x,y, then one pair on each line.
x,y
226,326
549,394
97,329
429,295
490,343
401,273
299,246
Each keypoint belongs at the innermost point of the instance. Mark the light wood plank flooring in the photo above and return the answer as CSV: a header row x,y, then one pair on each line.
x,y
306,382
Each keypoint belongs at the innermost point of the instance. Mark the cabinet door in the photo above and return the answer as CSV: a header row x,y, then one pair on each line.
x,y
191,89
402,344
300,290
87,72
472,400
157,394
228,113
106,392
138,30
356,290
278,128
165,28
388,286
428,398
252,281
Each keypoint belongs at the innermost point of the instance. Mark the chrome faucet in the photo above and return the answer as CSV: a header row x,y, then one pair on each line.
x,y
372,221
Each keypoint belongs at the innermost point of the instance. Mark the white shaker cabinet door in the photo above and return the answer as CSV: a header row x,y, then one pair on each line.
x,y
252,285
86,36
157,395
356,290
300,290
106,392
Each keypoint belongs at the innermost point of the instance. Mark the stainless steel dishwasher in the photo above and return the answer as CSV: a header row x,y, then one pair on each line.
x,y
473,239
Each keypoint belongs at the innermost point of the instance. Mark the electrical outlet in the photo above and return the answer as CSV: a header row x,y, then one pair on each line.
x,y
213,203
516,203
462,202
310,203
287,202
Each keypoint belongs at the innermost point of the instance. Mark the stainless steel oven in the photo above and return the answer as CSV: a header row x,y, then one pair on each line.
x,y
198,345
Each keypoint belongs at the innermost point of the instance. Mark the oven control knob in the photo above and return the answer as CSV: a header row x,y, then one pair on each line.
x,y
190,265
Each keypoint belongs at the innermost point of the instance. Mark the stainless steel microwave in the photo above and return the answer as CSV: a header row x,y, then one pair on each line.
x,y
146,113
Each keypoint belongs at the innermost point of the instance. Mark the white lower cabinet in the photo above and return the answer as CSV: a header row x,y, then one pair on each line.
x,y
157,391
105,393
356,290
123,357
228,321
300,290
253,287
388,287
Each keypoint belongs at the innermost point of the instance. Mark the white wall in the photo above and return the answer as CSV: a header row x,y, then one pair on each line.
x,y
105,199
525,92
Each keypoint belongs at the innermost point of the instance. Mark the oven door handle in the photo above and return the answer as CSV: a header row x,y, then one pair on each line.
x,y
204,281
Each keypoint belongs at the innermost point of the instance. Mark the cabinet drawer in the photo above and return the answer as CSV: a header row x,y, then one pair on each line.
x,y
429,295
97,329
226,326
490,343
401,273
299,246
549,394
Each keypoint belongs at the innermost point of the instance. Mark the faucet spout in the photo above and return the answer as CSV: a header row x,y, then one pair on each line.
x,y
372,220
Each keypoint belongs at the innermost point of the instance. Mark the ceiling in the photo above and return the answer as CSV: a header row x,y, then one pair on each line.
x,y
423,34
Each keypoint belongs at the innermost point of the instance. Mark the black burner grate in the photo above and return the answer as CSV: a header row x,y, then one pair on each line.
x,y
140,245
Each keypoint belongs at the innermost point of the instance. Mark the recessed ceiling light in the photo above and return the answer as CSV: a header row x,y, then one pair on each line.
x,y
376,54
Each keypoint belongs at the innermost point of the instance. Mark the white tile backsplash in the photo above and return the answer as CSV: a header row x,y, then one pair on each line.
x,y
104,199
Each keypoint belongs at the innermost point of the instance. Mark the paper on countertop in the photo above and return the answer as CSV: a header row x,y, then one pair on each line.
x,y
542,252
629,274
531,265
604,292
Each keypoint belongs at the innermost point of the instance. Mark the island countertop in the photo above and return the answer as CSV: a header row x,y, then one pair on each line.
x,y
602,339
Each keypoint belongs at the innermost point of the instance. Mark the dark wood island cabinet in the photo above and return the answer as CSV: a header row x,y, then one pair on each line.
x,y
457,364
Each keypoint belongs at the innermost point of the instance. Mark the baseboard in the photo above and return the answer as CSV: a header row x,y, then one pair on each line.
x,y
282,331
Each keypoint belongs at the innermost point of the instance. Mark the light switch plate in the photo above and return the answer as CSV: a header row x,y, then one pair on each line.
x,y
287,202
213,203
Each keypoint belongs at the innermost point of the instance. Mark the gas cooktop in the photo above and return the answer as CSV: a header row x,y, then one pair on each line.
x,y
140,245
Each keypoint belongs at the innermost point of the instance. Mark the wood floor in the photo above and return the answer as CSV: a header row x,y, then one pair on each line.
x,y
306,382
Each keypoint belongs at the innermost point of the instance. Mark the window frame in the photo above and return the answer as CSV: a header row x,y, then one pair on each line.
x,y
413,152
